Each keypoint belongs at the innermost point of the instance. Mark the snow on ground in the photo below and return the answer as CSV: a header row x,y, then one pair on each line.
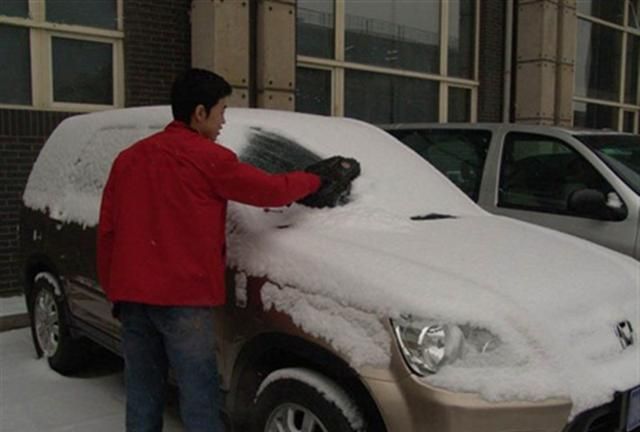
x,y
12,305
33,398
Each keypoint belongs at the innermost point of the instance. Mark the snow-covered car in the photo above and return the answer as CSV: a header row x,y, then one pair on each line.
x,y
406,309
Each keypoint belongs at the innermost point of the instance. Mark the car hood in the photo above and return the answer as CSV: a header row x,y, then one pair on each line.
x,y
554,300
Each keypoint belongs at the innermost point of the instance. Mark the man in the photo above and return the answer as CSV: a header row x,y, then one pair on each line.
x,y
161,250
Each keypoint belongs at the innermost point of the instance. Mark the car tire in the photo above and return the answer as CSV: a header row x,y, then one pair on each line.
x,y
50,326
292,404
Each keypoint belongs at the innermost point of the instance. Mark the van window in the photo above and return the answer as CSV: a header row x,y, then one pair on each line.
x,y
459,154
539,173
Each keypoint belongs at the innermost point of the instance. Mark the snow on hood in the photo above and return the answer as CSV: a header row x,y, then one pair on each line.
x,y
553,300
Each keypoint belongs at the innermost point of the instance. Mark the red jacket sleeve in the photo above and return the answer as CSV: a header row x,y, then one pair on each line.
x,y
105,234
237,181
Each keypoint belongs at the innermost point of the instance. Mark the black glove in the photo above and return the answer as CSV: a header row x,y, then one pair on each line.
x,y
336,173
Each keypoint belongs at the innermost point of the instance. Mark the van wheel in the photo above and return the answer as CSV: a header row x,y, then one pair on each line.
x,y
301,400
50,326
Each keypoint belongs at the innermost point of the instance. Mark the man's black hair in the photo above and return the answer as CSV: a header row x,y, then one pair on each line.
x,y
196,87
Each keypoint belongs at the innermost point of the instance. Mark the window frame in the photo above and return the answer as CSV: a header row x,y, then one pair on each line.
x,y
627,30
338,65
41,33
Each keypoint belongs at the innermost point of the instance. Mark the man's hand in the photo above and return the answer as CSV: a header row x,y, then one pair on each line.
x,y
336,173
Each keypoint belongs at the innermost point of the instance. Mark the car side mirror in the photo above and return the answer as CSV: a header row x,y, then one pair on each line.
x,y
595,204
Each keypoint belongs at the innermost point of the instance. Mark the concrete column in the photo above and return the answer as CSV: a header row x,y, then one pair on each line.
x,y
220,43
276,54
545,61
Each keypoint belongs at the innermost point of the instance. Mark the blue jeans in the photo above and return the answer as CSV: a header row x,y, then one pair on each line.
x,y
156,337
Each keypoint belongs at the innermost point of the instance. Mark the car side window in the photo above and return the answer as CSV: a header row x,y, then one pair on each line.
x,y
459,154
540,173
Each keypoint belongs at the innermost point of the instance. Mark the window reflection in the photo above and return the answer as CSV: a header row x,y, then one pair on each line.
x,y
15,8
82,71
402,34
15,82
380,98
598,57
632,70
608,10
595,116
315,28
629,121
94,13
461,38
313,91
634,13
459,104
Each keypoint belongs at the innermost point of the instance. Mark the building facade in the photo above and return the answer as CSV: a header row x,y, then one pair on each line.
x,y
561,62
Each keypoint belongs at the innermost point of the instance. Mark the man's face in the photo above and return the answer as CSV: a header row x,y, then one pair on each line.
x,y
209,125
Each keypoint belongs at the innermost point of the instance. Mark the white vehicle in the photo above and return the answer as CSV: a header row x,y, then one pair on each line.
x,y
582,182
406,309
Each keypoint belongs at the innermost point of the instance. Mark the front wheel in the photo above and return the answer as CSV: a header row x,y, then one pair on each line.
x,y
50,328
302,400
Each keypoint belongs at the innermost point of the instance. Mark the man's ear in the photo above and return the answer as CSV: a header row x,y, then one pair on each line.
x,y
199,114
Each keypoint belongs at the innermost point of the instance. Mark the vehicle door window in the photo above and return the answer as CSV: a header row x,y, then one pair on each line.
x,y
540,173
457,153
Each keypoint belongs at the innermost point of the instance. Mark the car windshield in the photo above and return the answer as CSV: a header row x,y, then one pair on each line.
x,y
620,152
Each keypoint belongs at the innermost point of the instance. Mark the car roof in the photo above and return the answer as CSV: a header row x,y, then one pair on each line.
x,y
523,127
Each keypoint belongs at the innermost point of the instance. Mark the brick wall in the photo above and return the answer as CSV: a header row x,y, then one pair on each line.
x,y
491,68
157,47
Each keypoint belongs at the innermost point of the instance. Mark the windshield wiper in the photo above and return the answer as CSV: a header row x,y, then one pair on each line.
x,y
432,216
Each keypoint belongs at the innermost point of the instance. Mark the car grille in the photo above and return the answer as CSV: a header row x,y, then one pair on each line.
x,y
605,418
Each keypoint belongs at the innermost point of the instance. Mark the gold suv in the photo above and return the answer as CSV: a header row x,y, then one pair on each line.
x,y
405,309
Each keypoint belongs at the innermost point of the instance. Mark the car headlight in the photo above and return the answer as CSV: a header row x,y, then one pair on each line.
x,y
427,345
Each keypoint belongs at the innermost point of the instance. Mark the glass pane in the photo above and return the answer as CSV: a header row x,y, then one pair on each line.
x,y
16,8
315,28
15,75
631,91
462,26
313,91
82,71
634,13
608,10
598,59
384,99
402,34
94,13
595,116
540,173
459,154
459,104
629,121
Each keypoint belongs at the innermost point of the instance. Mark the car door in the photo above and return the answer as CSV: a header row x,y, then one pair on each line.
x,y
536,176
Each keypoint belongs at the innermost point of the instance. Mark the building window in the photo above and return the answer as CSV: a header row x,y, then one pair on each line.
x,y
313,91
66,56
388,62
607,65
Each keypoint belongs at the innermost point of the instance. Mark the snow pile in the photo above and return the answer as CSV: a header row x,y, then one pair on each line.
x,y
553,300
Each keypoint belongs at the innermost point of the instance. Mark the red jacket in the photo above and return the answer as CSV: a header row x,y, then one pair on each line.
x,y
161,235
